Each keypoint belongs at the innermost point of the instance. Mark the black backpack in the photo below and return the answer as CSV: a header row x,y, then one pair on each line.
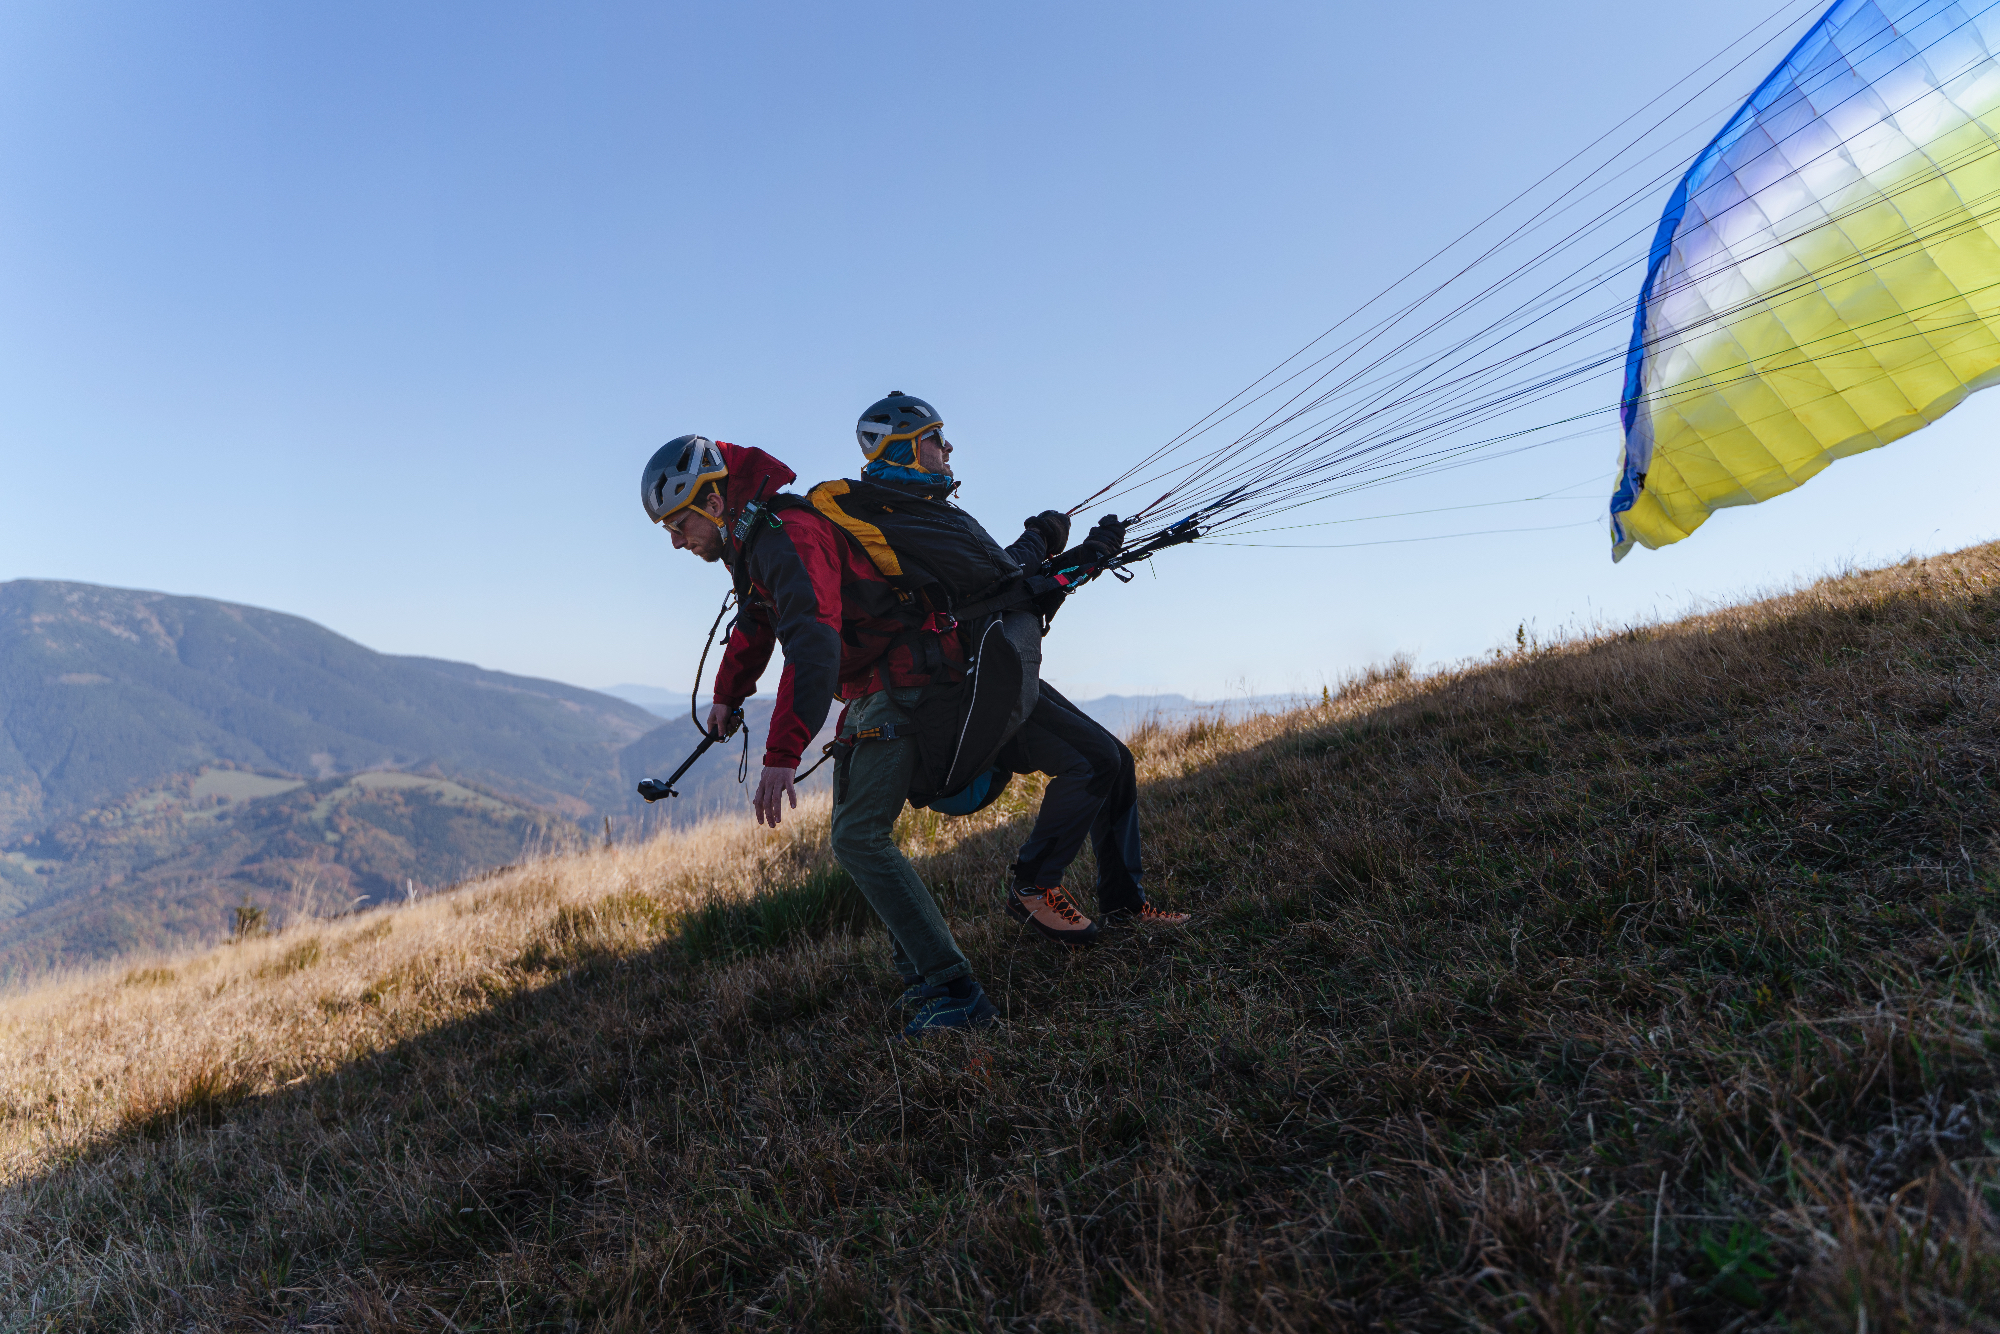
x,y
924,546
938,558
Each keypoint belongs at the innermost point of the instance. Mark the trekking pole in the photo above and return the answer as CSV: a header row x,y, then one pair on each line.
x,y
652,789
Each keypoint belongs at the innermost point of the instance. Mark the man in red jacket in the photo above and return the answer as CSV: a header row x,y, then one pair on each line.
x,y
807,589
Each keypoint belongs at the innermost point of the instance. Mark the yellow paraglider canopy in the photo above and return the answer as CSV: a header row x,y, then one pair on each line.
x,y
1826,278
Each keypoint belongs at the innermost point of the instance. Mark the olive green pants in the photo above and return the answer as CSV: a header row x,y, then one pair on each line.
x,y
868,796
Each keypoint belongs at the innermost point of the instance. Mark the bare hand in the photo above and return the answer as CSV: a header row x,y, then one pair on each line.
x,y
775,783
720,720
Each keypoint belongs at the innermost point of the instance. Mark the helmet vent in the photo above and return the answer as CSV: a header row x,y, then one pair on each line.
x,y
677,471
897,417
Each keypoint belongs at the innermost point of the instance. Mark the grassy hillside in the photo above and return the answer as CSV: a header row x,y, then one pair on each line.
x,y
1646,981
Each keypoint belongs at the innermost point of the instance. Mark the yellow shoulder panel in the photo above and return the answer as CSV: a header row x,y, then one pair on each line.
x,y
826,497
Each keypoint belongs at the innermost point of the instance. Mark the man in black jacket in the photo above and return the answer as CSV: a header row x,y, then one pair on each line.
x,y
1093,790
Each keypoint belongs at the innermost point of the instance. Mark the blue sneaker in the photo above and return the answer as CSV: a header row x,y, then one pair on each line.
x,y
918,992
941,1012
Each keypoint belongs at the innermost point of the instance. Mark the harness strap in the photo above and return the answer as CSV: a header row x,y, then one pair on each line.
x,y
1024,591
825,754
841,750
883,732
926,655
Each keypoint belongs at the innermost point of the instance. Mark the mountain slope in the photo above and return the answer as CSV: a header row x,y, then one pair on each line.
x,y
106,691
117,706
1646,981
168,867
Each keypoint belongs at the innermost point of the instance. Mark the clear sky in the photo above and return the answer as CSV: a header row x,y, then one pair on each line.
x,y
372,312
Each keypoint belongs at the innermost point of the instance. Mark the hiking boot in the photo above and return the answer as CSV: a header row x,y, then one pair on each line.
x,y
1146,915
943,1011
1052,915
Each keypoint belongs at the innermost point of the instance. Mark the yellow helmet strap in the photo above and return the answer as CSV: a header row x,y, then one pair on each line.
x,y
695,506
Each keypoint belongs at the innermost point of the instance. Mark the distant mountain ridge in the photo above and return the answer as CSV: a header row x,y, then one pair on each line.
x,y
168,865
104,691
162,757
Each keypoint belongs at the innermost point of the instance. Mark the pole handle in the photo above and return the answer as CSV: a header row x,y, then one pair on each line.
x,y
652,789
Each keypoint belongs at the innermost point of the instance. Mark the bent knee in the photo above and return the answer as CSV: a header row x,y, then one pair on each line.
x,y
861,844
1079,769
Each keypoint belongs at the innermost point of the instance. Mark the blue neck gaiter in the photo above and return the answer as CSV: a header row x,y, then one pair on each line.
x,y
897,464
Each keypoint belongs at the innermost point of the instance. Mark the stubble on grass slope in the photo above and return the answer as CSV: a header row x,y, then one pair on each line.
x,y
1639,981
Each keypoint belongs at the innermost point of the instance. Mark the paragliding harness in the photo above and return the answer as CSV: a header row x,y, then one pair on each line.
x,y
945,569
939,559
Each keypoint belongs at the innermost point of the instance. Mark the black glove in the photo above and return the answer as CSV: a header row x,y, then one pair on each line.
x,y
1052,526
1109,533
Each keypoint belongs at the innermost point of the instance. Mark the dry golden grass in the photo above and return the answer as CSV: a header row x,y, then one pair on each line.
x,y
89,1056
1639,980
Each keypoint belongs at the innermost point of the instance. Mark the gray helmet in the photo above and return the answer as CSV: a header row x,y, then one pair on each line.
x,y
675,473
900,416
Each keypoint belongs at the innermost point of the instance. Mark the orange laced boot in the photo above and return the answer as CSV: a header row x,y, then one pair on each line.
x,y
1052,915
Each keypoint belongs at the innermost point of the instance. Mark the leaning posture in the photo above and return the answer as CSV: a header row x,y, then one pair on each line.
x,y
1093,790
803,585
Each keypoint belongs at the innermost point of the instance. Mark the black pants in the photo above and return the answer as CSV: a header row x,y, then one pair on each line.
x,y
1092,791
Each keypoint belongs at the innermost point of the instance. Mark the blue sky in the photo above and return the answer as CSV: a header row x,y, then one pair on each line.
x,y
372,312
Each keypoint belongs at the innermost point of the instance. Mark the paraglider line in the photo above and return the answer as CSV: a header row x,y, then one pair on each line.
x,y
1403,541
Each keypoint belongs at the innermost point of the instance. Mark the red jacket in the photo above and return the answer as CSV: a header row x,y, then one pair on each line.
x,y
817,595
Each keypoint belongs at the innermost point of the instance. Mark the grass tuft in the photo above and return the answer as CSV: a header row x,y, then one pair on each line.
x,y
149,977
187,1099
300,956
822,903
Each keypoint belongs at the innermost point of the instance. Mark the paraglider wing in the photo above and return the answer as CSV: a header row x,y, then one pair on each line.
x,y
1826,277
